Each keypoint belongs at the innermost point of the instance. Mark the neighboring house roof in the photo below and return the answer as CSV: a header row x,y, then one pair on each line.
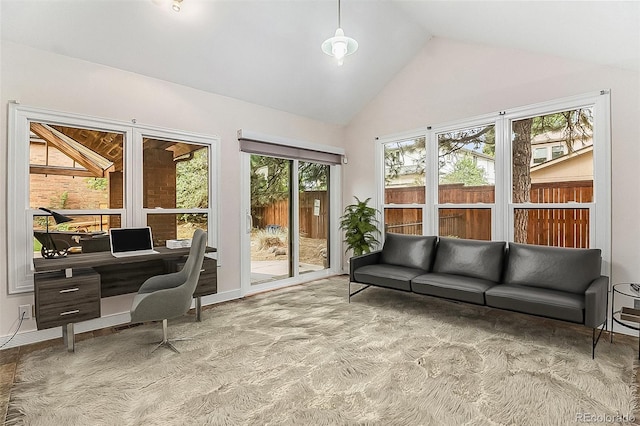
x,y
577,165
562,158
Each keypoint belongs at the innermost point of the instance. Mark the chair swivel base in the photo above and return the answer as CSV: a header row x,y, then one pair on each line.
x,y
166,344
165,339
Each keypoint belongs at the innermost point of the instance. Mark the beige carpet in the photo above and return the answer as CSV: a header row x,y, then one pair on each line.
x,y
304,356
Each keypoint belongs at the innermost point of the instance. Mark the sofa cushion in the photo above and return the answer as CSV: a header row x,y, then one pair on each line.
x,y
466,289
537,301
471,258
412,251
391,276
564,269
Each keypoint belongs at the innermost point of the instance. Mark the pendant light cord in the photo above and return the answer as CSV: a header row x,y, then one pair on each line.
x,y
339,26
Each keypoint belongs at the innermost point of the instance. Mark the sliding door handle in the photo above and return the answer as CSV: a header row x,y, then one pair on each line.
x,y
249,223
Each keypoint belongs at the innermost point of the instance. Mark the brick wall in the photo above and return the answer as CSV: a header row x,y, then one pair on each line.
x,y
159,180
116,197
48,190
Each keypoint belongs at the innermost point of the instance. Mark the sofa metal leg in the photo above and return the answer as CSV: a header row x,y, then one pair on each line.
x,y
357,291
594,340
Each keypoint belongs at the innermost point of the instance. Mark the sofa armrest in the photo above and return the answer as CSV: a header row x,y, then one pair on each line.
x,y
595,302
356,262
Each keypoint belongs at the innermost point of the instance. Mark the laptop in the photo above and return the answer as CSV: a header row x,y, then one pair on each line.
x,y
131,241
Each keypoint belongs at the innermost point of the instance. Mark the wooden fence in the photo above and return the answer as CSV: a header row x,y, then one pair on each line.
x,y
313,218
566,227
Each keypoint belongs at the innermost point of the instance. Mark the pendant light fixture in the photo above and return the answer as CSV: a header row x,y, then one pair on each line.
x,y
339,45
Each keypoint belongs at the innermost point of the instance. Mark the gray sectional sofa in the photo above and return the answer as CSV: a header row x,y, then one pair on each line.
x,y
559,283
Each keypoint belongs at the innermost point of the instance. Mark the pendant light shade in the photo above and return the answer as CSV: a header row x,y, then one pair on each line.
x,y
339,45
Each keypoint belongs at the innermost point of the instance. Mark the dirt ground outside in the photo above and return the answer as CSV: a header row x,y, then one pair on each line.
x,y
186,230
270,245
273,246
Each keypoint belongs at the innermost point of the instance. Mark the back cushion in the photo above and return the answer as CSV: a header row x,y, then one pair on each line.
x,y
412,251
471,258
565,269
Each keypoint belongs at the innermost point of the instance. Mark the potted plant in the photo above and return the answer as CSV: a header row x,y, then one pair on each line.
x,y
361,227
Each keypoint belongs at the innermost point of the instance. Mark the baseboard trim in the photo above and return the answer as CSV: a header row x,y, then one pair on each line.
x,y
225,296
36,336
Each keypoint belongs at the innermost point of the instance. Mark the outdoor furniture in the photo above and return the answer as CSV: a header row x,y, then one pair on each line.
x,y
62,242
55,243
95,243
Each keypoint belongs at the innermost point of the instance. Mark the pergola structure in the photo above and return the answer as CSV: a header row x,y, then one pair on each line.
x,y
100,154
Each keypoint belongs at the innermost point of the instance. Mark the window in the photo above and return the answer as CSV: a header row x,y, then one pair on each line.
x,y
466,177
78,169
537,174
569,179
175,177
557,151
539,155
404,185
90,170
313,216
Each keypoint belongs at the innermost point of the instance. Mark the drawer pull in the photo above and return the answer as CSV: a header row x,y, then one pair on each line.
x,y
69,290
75,311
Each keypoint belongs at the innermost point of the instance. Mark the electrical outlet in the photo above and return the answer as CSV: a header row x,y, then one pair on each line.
x,y
636,303
24,310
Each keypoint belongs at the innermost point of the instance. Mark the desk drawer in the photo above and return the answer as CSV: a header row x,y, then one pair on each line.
x,y
208,281
60,300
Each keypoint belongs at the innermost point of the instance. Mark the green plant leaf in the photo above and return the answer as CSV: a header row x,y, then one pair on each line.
x,y
360,226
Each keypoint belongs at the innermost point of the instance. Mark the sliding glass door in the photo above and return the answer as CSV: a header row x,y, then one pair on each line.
x,y
287,226
270,233
313,216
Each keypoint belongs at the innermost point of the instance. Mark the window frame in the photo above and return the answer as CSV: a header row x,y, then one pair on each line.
x,y
19,214
432,140
600,207
560,153
503,208
144,131
543,159
380,180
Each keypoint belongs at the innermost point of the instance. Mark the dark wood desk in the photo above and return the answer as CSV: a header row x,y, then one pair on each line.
x,y
68,289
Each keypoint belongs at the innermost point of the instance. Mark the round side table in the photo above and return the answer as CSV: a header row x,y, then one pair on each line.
x,y
626,317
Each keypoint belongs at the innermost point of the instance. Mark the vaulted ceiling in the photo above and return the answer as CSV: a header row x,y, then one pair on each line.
x,y
268,52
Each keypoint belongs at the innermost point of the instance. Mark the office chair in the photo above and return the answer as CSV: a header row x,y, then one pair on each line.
x,y
168,296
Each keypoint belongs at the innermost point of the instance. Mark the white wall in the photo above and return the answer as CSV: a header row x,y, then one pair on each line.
x,y
45,80
450,80
446,81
